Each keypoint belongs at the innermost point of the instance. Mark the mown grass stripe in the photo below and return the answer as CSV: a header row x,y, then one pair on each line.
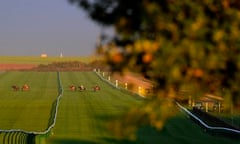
x,y
32,106
26,110
84,115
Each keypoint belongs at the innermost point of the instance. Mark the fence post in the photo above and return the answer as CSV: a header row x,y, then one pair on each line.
x,y
206,106
189,101
116,83
126,86
109,78
219,107
139,90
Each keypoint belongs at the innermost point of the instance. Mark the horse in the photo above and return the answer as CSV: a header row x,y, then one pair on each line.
x,y
72,88
96,88
25,87
15,88
81,88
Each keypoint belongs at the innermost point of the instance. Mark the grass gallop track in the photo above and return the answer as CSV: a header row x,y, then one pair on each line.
x,y
83,115
26,110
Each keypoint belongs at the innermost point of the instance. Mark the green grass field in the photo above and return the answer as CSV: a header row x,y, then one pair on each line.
x,y
27,110
88,112
82,116
38,60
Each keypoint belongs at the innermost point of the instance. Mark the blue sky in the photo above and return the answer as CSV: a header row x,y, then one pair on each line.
x,y
32,27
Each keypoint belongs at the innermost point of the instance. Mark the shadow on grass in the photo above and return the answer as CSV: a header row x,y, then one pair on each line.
x,y
177,130
69,141
146,135
117,141
99,141
149,135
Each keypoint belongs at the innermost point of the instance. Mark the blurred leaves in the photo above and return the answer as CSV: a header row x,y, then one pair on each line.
x,y
180,45
154,114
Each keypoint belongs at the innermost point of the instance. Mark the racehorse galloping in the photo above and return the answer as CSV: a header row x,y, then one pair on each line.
x,y
96,88
81,88
72,88
25,87
15,88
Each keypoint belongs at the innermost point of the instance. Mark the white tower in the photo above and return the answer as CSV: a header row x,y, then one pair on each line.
x,y
61,54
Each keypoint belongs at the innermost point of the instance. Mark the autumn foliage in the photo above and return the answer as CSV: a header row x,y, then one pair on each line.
x,y
187,45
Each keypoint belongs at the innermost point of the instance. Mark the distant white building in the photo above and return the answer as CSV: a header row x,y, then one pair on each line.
x,y
44,55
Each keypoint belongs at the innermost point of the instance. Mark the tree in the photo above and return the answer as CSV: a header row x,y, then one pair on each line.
x,y
180,45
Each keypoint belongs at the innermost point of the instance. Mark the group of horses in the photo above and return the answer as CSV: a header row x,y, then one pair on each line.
x,y
82,88
24,87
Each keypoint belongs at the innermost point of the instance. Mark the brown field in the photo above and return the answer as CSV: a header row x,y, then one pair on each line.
x,y
4,67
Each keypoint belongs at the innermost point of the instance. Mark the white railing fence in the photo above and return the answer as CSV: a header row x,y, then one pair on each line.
x,y
117,84
223,130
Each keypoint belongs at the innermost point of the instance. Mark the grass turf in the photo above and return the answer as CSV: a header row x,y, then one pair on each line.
x,y
27,110
82,116
38,60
